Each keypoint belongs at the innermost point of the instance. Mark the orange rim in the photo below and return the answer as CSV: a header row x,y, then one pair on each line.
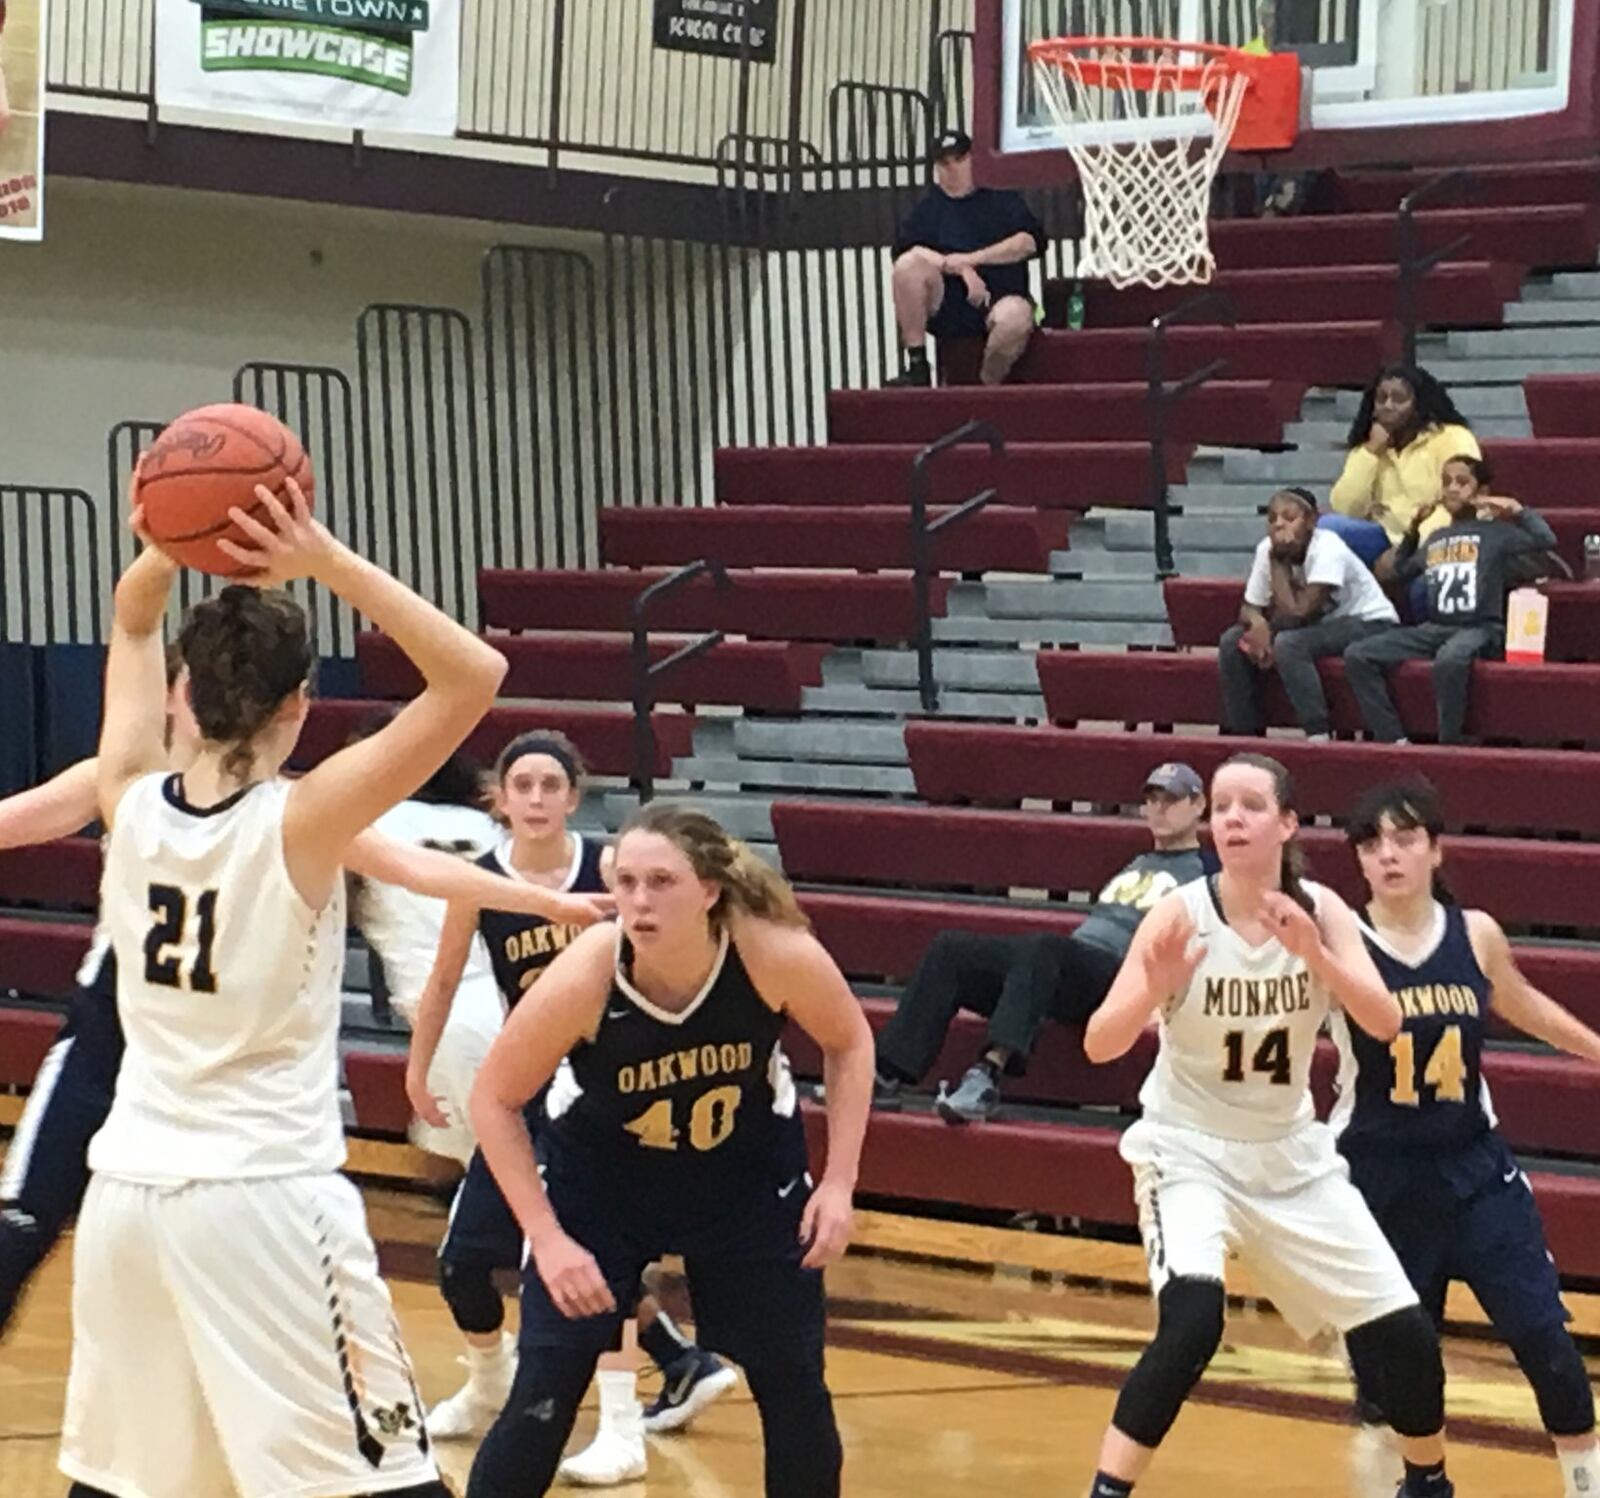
x,y
1147,76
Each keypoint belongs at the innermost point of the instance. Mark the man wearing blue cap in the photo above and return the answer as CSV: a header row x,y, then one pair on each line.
x,y
1021,981
961,267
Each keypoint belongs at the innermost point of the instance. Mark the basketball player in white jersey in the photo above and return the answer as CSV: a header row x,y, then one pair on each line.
x,y
1240,970
230,1324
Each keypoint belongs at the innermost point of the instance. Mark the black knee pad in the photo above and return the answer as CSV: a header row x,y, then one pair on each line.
x,y
1188,1333
469,1291
1398,1367
1553,1365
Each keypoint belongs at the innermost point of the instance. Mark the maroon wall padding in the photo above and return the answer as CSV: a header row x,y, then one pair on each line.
x,y
1564,405
1241,412
1549,883
1526,704
1000,764
1498,186
1547,236
1313,353
768,605
1054,475
598,668
1200,609
604,735
59,874
26,1036
377,1083
1001,538
1456,294
41,958
1549,473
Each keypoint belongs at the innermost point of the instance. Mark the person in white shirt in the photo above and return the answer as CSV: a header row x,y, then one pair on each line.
x,y
1308,596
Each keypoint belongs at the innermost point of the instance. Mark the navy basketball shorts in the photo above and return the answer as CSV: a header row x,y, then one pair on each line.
x,y
483,1230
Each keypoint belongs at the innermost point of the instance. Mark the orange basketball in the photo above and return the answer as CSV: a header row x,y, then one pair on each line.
x,y
206,463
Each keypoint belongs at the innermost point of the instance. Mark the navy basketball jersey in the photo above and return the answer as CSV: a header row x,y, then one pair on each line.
x,y
681,1103
1424,1089
523,946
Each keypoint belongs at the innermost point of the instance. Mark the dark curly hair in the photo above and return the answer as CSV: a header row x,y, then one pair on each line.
x,y
247,650
1435,408
459,781
1407,805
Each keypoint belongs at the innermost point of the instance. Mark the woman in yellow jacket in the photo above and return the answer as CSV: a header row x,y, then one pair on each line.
x,y
1406,430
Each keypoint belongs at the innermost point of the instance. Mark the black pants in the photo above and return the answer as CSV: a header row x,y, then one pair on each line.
x,y
1452,649
1295,654
1017,981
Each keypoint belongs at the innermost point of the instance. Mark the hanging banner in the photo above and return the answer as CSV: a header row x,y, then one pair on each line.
x,y
367,64
22,31
719,28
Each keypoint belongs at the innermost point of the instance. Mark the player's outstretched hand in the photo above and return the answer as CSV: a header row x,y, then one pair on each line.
x,y
1173,956
583,910
827,1224
429,1108
1291,924
572,1276
290,543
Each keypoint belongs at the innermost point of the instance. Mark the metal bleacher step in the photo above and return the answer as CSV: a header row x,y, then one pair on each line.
x,y
1458,371
1104,599
1235,536
1335,435
1564,311
745,816
1525,343
1010,671
1504,400
1077,632
857,743
892,703
796,775
1305,465
1569,285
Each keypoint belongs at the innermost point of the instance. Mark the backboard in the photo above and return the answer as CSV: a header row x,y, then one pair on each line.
x,y
1398,82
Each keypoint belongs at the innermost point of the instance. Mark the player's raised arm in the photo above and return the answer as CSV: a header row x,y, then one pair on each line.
x,y
1161,961
560,1010
1333,951
64,804
460,674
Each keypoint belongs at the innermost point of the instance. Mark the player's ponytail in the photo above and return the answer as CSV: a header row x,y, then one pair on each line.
x,y
1293,867
247,651
749,884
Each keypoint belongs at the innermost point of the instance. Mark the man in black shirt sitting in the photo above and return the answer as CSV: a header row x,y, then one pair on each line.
x,y
960,267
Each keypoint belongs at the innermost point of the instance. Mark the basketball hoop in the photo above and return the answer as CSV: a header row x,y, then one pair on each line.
x,y
1143,153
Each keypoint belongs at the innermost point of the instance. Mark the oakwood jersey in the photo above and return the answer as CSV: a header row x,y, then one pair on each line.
x,y
683,1104
521,947
1236,1045
228,988
1424,1090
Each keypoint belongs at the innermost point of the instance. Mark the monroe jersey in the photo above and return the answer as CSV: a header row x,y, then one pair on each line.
x,y
1424,1090
1236,1045
228,985
521,947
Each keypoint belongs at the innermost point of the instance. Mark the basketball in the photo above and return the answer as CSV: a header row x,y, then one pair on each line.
x,y
205,464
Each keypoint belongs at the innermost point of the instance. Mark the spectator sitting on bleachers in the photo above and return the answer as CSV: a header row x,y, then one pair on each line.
x,y
1308,596
1021,981
961,267
1406,429
1465,565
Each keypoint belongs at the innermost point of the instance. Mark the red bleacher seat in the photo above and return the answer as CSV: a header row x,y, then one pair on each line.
x,y
1243,412
59,875
1549,473
41,958
769,605
1053,475
598,668
1526,704
1002,537
999,764
1455,294
1320,353
604,735
1504,186
1199,609
1543,883
377,1083
1548,235
1564,405
26,1036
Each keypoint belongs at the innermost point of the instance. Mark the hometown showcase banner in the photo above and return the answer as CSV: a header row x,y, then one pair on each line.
x,y
367,64
22,33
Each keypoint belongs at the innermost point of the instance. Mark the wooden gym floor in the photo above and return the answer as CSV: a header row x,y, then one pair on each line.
x,y
974,1381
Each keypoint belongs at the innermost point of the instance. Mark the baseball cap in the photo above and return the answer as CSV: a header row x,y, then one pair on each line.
x,y
952,143
1175,779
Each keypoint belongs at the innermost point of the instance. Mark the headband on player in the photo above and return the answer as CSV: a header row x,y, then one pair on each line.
x,y
1305,496
536,743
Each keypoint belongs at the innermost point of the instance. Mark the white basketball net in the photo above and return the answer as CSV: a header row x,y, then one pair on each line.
x,y
1145,198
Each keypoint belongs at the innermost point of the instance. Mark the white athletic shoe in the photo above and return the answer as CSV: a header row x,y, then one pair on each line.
x,y
1376,1467
682,1399
471,1410
612,1458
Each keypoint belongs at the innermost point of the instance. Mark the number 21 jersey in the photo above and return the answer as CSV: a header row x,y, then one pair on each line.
x,y
228,985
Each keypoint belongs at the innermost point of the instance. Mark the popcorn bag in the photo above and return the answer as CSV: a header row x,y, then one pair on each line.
x,y
1527,623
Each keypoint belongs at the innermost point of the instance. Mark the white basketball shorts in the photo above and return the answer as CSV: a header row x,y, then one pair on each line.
x,y
236,1337
1288,1210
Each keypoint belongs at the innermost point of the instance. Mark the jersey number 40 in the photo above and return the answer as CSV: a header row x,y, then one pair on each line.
x,y
170,907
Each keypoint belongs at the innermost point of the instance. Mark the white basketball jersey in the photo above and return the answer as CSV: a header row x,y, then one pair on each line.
x,y
404,927
229,988
1236,1045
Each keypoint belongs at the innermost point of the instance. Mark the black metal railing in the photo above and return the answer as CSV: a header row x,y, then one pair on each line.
x,y
646,673
923,531
1414,264
54,575
1160,397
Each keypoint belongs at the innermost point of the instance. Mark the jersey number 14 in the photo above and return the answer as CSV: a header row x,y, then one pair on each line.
x,y
170,907
1446,1072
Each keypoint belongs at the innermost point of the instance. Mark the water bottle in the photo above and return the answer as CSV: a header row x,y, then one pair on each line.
x,y
1591,558
1075,313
